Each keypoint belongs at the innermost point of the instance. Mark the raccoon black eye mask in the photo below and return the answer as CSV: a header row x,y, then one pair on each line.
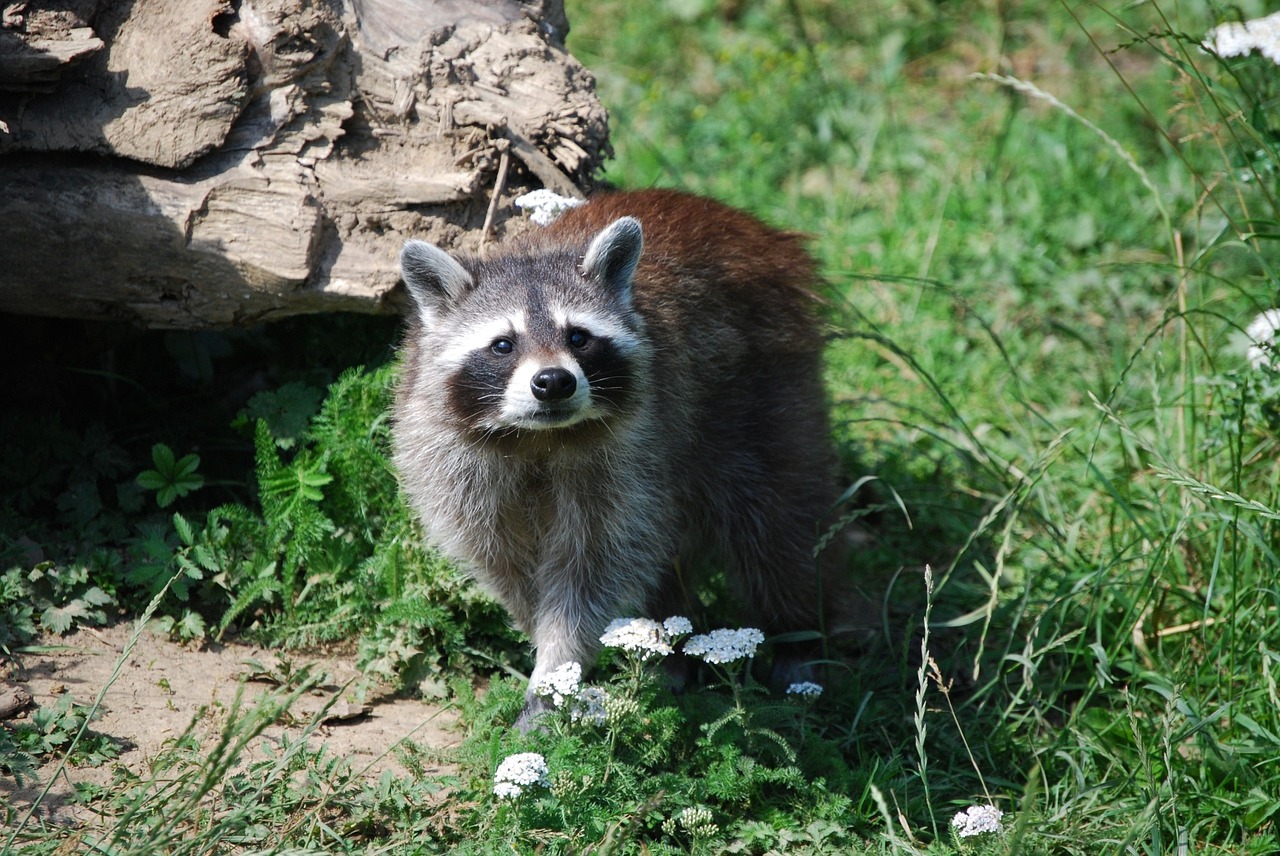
x,y
635,384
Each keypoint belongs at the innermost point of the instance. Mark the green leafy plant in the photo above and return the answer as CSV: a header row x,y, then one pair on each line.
x,y
287,412
55,597
630,768
15,760
57,729
172,477
327,552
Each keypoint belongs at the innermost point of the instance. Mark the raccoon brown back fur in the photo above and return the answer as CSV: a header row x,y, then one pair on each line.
x,y
690,427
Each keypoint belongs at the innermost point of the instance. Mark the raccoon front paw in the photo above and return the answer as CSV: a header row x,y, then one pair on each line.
x,y
535,707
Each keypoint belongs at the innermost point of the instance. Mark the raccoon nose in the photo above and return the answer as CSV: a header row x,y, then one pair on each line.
x,y
553,384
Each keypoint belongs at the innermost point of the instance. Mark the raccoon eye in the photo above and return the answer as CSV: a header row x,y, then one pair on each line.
x,y
579,339
502,347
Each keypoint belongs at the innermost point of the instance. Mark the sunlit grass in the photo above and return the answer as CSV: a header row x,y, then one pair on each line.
x,y
1040,275
1043,229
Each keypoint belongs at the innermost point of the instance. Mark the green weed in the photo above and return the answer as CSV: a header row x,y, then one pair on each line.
x,y
56,729
172,477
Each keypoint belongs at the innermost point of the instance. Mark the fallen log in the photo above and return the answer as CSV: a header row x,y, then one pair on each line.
x,y
210,163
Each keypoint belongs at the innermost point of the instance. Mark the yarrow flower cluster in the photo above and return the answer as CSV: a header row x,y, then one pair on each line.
x,y
805,689
695,820
590,706
1264,340
725,645
1238,39
561,683
677,626
977,819
620,707
645,636
564,685
518,772
544,206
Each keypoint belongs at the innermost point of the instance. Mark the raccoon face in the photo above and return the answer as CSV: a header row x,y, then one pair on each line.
x,y
531,342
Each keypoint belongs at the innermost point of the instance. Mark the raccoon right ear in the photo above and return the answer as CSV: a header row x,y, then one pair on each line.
x,y
434,278
614,254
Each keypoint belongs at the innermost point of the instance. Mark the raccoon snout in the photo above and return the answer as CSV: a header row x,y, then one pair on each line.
x,y
554,384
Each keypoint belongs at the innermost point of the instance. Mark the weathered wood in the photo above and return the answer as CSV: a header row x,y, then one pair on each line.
x,y
13,700
194,163
36,64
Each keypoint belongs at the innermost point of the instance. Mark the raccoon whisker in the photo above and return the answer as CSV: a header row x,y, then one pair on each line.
x,y
601,383
488,392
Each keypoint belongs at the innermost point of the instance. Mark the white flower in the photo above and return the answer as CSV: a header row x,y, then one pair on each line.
x,y
805,689
977,819
1264,346
590,706
545,205
638,635
559,684
677,625
507,790
1237,39
518,772
694,820
724,645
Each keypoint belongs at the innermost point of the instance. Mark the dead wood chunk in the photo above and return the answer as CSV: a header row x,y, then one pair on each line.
x,y
346,711
13,700
165,91
193,83
36,64
267,229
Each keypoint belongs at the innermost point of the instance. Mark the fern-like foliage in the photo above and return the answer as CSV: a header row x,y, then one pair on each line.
x,y
328,551
656,774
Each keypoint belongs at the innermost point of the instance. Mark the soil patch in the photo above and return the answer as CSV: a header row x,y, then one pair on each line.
x,y
162,686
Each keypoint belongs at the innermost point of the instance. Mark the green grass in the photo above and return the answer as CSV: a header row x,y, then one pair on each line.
x,y
1037,302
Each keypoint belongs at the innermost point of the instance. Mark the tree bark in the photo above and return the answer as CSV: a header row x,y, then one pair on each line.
x,y
206,163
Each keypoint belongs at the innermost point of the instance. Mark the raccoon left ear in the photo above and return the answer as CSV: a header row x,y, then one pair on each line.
x,y
614,254
434,278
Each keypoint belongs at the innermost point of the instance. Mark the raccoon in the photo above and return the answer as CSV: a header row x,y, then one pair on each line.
x,y
633,389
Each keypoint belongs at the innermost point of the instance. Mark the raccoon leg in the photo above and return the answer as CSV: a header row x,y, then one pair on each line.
x,y
512,588
577,601
778,489
553,647
768,526
783,597
674,598
603,554
515,592
535,707
565,629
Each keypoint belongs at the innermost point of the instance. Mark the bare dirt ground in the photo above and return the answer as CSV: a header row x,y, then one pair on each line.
x,y
162,686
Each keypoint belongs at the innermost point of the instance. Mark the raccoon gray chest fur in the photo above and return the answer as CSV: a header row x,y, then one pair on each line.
x,y
636,384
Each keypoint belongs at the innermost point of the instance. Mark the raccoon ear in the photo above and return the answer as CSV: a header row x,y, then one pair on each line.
x,y
614,254
434,278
